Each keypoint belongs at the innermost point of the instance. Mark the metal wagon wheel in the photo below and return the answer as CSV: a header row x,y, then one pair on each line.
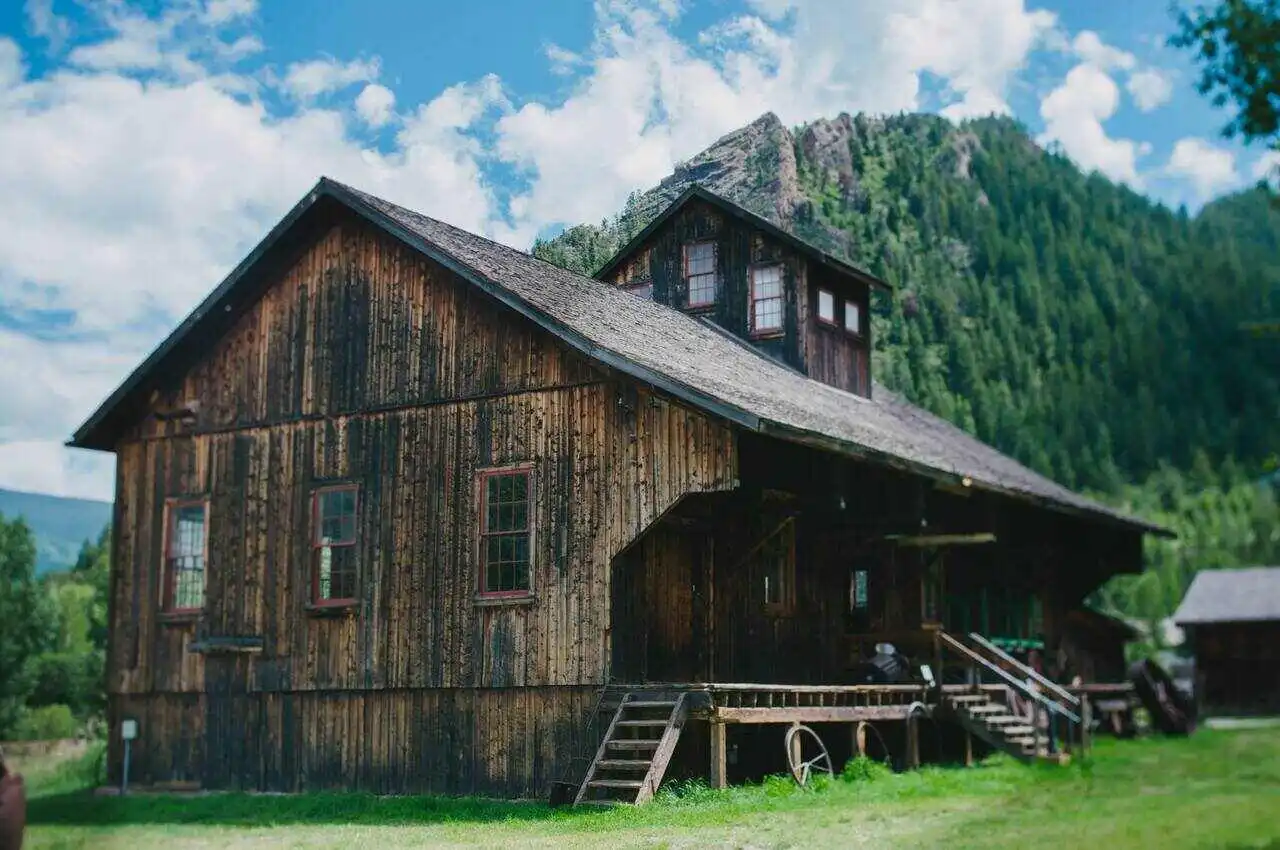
x,y
804,764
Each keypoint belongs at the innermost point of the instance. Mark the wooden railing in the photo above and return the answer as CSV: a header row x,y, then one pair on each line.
x,y
1077,725
1062,693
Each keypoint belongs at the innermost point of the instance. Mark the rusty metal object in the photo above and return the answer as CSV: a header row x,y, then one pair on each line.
x,y
13,808
802,768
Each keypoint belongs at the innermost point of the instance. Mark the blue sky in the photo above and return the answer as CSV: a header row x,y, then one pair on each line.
x,y
146,146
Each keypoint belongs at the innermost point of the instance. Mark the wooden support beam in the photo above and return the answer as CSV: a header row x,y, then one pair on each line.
x,y
968,748
942,539
719,758
810,714
913,742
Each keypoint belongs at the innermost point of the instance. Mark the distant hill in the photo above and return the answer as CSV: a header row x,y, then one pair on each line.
x,y
61,525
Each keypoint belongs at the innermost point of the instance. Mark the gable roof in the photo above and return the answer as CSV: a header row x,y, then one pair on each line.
x,y
677,354
1231,596
812,252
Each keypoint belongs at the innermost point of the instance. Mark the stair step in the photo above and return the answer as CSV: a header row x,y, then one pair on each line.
x,y
624,764
969,698
651,704
633,744
988,708
616,783
634,723
1017,731
1001,720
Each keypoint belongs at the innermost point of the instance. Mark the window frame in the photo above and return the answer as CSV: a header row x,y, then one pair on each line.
x,y
817,312
315,546
781,329
168,585
483,475
857,305
786,604
715,274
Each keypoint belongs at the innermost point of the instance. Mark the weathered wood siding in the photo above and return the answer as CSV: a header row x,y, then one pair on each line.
x,y
1237,667
367,363
832,354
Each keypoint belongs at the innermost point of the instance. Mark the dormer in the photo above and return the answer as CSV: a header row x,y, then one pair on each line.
x,y
711,258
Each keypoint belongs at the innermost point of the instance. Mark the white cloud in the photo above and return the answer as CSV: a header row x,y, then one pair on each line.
x,y
374,104
11,68
1088,45
44,23
1208,168
1267,167
307,80
218,12
1074,113
1150,88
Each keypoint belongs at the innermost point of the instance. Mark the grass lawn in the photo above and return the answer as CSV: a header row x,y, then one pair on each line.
x,y
1218,789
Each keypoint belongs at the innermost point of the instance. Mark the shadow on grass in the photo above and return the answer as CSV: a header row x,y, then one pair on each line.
x,y
231,809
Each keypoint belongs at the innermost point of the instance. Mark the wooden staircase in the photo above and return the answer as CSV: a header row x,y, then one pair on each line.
x,y
994,723
635,751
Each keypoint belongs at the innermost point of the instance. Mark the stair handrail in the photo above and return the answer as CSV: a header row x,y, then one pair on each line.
x,y
1063,694
1018,684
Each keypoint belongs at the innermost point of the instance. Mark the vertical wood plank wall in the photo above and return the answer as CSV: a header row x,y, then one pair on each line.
x,y
367,363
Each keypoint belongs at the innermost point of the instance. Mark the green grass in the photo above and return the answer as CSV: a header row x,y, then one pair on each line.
x,y
1218,789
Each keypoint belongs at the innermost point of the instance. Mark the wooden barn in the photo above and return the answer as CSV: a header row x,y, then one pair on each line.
x,y
402,509
1232,624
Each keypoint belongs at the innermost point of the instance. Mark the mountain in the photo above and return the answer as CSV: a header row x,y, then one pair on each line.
x,y
1071,322
61,526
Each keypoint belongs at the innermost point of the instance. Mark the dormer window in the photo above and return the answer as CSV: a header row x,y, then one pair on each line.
x,y
766,299
826,307
852,317
700,273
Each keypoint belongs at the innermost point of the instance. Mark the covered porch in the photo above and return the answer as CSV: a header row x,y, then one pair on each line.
x,y
768,606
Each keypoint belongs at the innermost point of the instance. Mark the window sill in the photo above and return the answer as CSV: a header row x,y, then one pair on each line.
x,y
332,609
777,333
499,601
701,309
177,618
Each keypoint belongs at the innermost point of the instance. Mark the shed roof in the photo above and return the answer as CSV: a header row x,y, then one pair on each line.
x,y
686,357
1231,596
761,223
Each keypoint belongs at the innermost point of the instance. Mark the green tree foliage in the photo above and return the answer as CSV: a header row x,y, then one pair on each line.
x,y
25,620
1237,43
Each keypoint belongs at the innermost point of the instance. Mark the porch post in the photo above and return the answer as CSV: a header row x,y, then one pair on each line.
x,y
913,742
719,776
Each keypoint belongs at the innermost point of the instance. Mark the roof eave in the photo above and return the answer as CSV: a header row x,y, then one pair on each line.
x,y
797,435
87,436
702,193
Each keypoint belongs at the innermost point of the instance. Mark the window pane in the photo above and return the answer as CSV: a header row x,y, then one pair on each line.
x,y
852,317
506,542
768,314
826,306
335,512
700,273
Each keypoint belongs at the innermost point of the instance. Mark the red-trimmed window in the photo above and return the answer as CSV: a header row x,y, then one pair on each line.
x,y
700,273
766,299
333,545
186,532
826,307
506,532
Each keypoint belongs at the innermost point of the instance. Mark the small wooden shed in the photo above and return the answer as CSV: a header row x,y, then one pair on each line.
x,y
1232,622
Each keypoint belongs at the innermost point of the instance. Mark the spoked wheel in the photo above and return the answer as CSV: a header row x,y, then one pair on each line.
x,y
806,754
